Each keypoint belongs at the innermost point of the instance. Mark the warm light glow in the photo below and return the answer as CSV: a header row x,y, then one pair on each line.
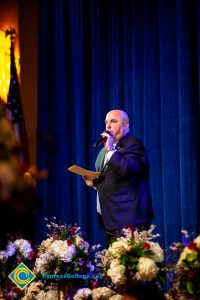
x,y
5,65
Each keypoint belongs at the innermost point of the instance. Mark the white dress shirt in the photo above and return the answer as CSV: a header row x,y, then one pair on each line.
x,y
107,157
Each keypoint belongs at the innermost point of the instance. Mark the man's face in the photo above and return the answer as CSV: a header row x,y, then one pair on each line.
x,y
116,125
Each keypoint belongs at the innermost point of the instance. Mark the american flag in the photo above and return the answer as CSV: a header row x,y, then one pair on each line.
x,y
14,105
14,101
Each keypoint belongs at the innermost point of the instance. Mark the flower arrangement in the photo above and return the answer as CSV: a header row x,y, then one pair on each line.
x,y
64,251
186,281
133,256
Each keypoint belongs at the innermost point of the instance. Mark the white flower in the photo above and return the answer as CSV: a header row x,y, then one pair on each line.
x,y
147,269
49,295
145,235
95,247
23,246
63,251
197,241
104,256
42,262
10,249
3,256
45,245
82,294
117,272
116,297
32,290
158,252
41,296
119,247
102,293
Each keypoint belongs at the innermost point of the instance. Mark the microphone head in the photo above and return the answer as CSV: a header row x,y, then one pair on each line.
x,y
101,140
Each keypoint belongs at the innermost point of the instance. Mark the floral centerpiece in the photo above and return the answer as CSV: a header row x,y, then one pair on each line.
x,y
186,281
132,257
65,257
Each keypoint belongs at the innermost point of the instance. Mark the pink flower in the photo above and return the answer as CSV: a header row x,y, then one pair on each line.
x,y
54,236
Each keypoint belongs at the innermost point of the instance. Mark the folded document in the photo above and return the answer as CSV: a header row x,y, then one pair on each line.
x,y
83,172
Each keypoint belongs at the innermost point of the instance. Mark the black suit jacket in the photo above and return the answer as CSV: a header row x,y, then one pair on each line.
x,y
123,186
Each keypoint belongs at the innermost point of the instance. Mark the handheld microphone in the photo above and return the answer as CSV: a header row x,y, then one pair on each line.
x,y
101,140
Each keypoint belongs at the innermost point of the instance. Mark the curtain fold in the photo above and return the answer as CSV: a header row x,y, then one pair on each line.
x,y
139,56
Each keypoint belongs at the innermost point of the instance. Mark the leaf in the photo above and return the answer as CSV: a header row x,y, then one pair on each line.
x,y
124,260
189,287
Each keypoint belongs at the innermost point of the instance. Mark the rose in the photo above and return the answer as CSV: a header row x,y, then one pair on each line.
x,y
146,246
73,229
192,246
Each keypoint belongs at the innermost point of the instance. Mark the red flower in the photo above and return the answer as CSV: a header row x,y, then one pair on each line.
x,y
192,246
16,290
7,296
94,284
131,228
31,255
145,246
192,273
73,229
69,242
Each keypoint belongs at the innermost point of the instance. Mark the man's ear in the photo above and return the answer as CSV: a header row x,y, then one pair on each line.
x,y
126,125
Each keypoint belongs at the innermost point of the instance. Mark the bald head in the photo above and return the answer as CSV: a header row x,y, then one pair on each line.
x,y
117,122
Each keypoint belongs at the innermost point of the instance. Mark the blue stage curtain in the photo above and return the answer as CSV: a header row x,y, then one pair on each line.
x,y
139,56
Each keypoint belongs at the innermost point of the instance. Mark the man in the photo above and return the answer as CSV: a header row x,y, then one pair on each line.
x,y
123,192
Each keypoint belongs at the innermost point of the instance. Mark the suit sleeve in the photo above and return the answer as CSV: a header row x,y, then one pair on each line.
x,y
130,161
